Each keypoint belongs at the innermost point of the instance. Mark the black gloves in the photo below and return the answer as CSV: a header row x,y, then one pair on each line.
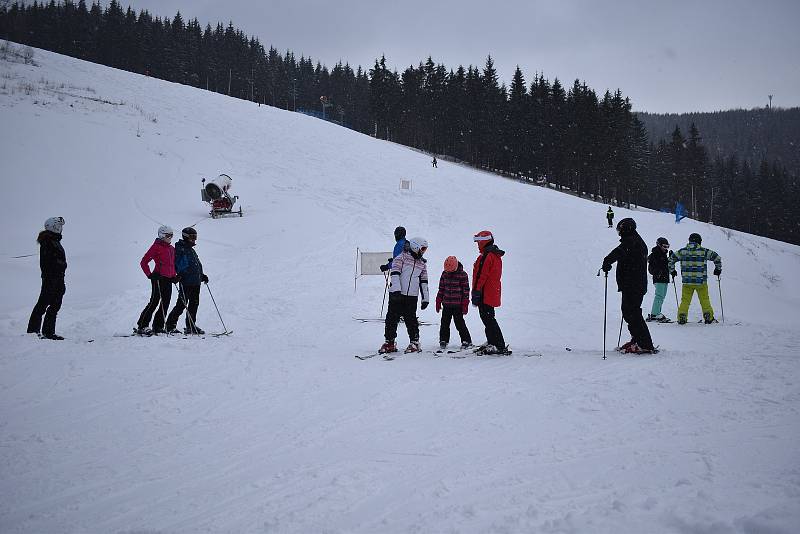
x,y
204,278
384,268
674,274
606,267
154,276
717,271
477,297
424,305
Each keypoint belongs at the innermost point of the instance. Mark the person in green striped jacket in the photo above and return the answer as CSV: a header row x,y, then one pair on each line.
x,y
694,276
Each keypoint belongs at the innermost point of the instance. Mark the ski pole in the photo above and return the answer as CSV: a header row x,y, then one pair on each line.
x,y
721,307
619,337
385,289
605,313
189,318
678,304
216,308
161,304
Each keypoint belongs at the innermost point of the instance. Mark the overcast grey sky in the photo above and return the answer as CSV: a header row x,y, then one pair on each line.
x,y
666,55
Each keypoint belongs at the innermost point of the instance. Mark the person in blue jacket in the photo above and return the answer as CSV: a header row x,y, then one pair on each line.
x,y
399,246
190,271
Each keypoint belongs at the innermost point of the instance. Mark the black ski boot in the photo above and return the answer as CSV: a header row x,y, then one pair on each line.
x,y
54,337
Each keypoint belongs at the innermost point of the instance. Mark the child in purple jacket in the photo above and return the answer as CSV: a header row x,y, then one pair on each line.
x,y
453,301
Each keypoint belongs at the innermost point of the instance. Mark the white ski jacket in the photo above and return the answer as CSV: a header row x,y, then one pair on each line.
x,y
409,276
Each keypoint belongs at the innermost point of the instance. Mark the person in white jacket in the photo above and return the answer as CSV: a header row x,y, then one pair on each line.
x,y
409,279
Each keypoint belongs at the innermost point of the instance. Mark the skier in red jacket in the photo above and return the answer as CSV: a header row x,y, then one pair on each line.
x,y
486,274
161,278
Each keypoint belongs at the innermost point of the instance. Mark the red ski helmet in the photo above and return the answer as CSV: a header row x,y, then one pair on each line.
x,y
484,238
451,264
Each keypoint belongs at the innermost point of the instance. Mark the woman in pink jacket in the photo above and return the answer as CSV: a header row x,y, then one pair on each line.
x,y
161,279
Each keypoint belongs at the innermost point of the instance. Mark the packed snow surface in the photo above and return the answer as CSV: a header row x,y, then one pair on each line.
x,y
278,428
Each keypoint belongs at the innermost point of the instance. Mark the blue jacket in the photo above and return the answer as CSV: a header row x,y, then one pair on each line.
x,y
187,264
399,247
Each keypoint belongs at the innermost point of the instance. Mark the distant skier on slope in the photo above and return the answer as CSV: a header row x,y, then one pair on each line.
x,y
610,216
486,290
400,245
658,266
694,276
631,258
161,279
433,161
53,264
409,278
452,300
190,271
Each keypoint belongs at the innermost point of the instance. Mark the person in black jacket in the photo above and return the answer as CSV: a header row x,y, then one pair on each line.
x,y
190,270
658,266
53,263
631,258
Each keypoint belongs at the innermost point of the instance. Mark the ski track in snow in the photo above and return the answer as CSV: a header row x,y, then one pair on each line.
x,y
278,428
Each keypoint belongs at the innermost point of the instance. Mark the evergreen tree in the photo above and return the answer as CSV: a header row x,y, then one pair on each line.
x,y
517,123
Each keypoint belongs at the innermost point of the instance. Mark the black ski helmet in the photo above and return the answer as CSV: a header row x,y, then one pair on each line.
x,y
189,233
662,241
626,226
399,233
695,238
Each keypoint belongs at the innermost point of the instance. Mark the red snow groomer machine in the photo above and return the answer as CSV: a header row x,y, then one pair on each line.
x,y
215,192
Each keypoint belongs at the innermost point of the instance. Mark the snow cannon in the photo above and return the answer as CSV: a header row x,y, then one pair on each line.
x,y
215,192
218,187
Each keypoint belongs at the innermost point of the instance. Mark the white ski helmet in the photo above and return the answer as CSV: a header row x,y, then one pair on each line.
x,y
418,245
164,231
54,224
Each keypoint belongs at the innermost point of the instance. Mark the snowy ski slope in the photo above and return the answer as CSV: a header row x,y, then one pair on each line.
x,y
278,428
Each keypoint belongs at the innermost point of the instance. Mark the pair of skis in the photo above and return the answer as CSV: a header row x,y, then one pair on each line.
x,y
452,353
377,320
655,350
388,356
182,336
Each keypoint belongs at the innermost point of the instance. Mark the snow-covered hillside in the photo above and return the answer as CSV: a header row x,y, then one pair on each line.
x,y
278,428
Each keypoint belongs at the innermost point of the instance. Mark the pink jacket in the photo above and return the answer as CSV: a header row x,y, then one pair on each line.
x,y
163,254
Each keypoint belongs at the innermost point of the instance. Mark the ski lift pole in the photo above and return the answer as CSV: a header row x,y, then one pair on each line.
x,y
215,307
721,307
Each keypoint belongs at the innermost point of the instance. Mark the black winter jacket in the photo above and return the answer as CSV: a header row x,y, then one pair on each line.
x,y
52,259
631,258
658,265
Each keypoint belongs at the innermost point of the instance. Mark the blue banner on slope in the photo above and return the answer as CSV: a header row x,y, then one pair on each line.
x,y
680,212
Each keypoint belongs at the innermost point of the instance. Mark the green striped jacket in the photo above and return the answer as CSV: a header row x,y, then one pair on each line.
x,y
693,260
